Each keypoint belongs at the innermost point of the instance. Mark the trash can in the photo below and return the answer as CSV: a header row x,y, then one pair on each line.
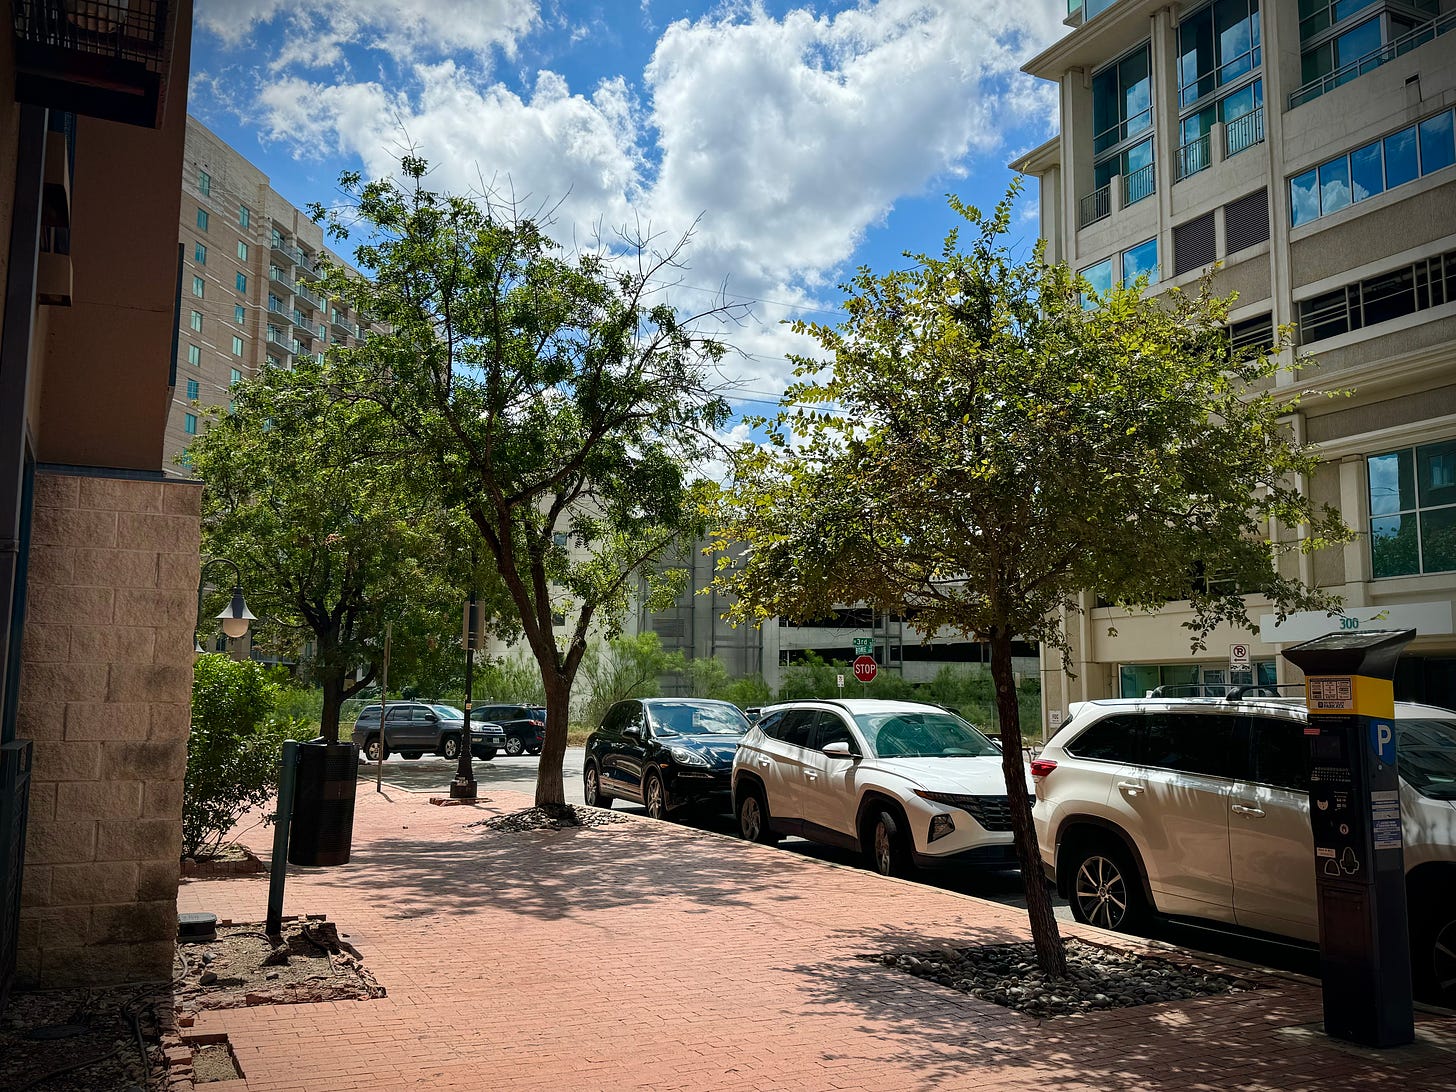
x,y
323,804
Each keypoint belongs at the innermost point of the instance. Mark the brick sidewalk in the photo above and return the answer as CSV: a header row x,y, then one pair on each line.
x,y
649,955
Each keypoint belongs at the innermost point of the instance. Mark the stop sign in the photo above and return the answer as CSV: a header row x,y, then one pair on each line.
x,y
865,668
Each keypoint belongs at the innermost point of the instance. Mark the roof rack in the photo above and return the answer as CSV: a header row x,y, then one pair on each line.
x,y
1237,693
1167,691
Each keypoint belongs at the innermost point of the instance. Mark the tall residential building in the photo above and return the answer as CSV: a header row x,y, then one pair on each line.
x,y
244,250
1310,148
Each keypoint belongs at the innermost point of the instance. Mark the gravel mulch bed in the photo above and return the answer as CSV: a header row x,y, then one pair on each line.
x,y
85,1040
558,818
1097,978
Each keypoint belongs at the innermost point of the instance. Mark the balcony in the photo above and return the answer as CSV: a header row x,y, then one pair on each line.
x,y
1097,205
108,59
1223,142
1141,183
1195,156
309,296
1243,132
282,340
301,321
278,277
1422,34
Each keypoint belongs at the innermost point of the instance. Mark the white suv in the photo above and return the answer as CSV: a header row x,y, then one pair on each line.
x,y
903,782
1199,808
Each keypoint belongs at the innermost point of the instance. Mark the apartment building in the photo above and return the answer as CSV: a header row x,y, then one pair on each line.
x,y
246,253
1309,148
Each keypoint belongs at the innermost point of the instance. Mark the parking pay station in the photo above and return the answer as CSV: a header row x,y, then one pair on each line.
x,y
1354,810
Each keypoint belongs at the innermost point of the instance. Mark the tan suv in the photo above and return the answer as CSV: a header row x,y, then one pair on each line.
x,y
1199,808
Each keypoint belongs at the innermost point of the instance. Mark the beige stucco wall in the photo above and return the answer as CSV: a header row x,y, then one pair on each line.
x,y
105,694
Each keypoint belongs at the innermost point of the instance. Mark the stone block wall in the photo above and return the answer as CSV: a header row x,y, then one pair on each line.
x,y
105,694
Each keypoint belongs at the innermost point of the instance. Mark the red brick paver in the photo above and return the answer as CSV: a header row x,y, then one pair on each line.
x,y
648,955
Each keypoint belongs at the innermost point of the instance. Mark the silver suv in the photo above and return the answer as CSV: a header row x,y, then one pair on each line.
x,y
1199,808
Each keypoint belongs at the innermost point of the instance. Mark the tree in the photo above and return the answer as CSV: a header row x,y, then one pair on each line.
x,y
330,546
1010,449
626,667
553,396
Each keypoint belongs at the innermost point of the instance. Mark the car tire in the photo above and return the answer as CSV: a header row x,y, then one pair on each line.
x,y
515,746
450,747
1106,889
654,796
888,846
411,755
1433,956
533,750
592,788
373,748
485,754
753,821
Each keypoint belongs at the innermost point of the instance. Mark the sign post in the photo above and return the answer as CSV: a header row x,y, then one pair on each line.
x,y
865,670
1354,811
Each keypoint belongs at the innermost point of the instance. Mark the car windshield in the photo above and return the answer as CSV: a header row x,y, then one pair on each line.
x,y
697,719
448,712
1426,752
901,734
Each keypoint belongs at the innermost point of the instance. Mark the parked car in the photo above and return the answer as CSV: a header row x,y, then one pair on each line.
x,y
663,753
414,728
1199,808
524,725
906,783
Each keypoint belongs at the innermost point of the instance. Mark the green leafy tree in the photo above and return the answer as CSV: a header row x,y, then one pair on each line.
x,y
330,545
232,751
1022,449
626,667
555,397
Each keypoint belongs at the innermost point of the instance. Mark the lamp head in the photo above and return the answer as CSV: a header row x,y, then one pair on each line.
x,y
236,617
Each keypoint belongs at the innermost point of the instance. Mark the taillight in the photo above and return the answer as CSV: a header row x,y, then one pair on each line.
x,y
1040,767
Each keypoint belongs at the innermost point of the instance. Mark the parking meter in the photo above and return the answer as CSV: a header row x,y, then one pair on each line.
x,y
1354,811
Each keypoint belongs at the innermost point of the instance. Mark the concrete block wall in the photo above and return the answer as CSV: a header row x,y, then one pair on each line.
x,y
105,694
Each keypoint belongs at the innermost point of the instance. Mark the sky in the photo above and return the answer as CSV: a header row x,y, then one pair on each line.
x,y
797,141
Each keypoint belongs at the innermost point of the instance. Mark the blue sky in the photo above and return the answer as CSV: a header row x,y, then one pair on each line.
x,y
802,139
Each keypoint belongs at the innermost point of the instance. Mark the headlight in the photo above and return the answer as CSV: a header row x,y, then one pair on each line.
x,y
949,799
686,757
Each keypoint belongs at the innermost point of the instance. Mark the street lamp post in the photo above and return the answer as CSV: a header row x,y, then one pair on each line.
x,y
464,787
235,617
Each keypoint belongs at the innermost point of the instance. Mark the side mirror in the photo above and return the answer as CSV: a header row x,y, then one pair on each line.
x,y
839,749
633,731
432,717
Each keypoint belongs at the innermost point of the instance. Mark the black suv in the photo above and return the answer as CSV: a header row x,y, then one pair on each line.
x,y
524,725
664,753
415,727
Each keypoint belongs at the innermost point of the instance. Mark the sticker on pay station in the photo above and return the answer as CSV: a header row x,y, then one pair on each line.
x,y
1331,693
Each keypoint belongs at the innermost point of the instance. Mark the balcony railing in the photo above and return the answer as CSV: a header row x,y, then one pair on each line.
x,y
1193,157
278,277
1141,183
309,296
1243,132
1414,39
1097,205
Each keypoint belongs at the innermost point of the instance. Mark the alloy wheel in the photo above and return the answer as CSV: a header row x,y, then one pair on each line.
x,y
593,788
884,852
655,798
514,746
1101,892
750,819
1443,962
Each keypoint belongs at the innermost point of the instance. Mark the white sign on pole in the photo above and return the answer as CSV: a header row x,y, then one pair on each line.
x,y
1239,656
841,682
1056,718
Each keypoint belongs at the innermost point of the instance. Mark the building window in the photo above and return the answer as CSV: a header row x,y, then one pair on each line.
x,y
242,282
245,216
1141,260
1256,334
240,314
274,362
194,355
191,390
275,303
276,239
1122,111
237,346
1381,165
196,321
204,183
234,376
242,251
202,219
1341,40
198,287
1216,46
1427,283
1188,680
189,424
199,254
1413,510
1125,267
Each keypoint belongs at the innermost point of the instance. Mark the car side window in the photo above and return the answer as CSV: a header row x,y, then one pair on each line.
x,y
612,722
1281,753
1112,739
769,725
1212,744
632,716
830,728
396,715
790,726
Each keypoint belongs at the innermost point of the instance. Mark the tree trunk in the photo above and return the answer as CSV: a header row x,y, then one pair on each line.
x,y
1051,956
333,699
550,791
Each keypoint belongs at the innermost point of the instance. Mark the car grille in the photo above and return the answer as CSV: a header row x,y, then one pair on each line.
x,y
992,812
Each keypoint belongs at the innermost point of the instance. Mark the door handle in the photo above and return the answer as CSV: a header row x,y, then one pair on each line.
x,y
1132,788
1245,809
763,762
812,776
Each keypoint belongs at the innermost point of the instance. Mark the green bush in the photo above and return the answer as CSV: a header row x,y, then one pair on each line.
x,y
233,750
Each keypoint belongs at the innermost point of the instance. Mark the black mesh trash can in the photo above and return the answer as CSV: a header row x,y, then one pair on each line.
x,y
323,804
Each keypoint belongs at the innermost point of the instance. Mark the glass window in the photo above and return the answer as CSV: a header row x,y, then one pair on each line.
x,y
245,216
240,313
198,287
1367,173
1099,279
242,251
1141,259
1281,753
191,390
202,219
831,729
1197,743
194,355
1304,198
1121,100
189,424
242,282
792,727
1334,184
1325,315
234,376
204,183
696,718
1112,739
1400,158
196,321
237,346
199,254
1437,147
1388,296
1427,750
1436,474
922,735
1413,510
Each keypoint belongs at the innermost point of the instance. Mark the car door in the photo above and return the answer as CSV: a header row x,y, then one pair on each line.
x,y
1271,847
780,762
828,793
1179,794
397,733
622,762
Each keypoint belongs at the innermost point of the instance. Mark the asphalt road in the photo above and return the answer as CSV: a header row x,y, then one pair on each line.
x,y
519,775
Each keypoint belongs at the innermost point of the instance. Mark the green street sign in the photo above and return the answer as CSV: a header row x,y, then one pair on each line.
x,y
864,646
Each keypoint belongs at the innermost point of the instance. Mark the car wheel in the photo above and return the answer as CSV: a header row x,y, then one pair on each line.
x,y
514,745
1433,958
753,817
1106,891
654,796
888,851
411,755
485,754
592,788
374,750
533,750
450,747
